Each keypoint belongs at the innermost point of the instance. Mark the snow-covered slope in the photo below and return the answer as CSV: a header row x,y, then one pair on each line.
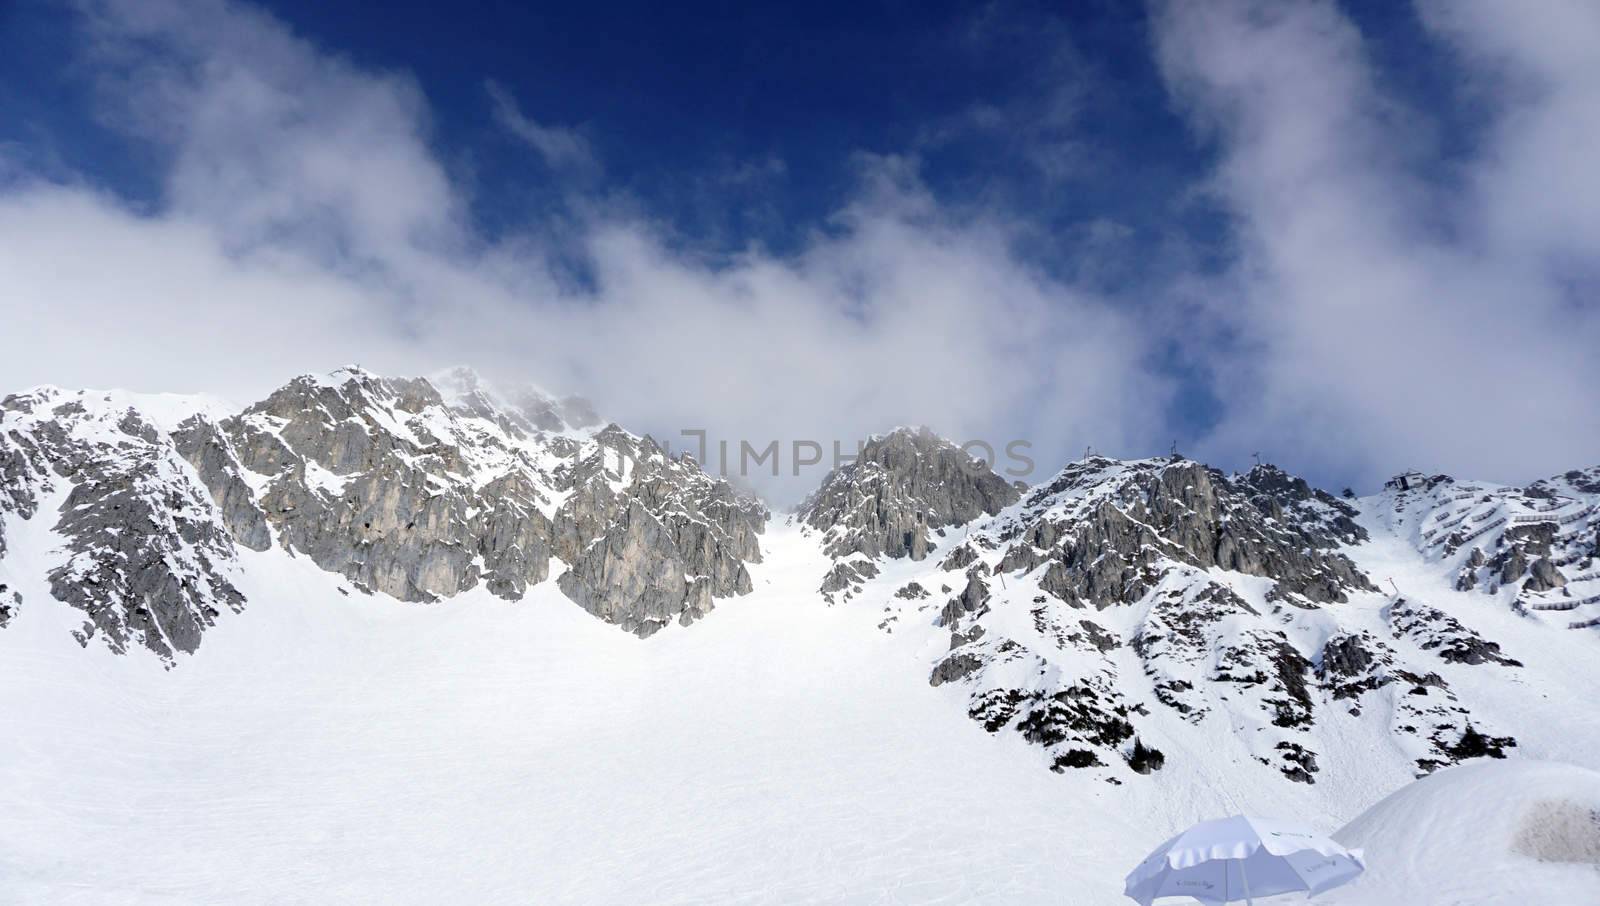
x,y
1481,835
345,650
1152,615
1537,548
319,748
330,749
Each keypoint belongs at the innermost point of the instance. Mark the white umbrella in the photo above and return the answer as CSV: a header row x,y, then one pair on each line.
x,y
1234,858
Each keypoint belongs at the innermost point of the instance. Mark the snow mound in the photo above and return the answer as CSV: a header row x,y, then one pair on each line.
x,y
1489,832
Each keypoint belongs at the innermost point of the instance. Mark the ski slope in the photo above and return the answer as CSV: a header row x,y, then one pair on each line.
x,y
331,748
360,750
1482,834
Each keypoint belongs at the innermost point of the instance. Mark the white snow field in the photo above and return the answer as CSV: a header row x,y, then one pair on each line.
x,y
323,748
1482,833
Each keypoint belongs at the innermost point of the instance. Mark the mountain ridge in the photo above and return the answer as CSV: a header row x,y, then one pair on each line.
x,y
1109,616
1125,597
379,481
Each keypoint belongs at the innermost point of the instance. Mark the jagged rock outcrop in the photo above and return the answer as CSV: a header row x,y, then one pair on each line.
x,y
632,577
24,469
1143,759
668,518
971,600
960,557
392,485
1544,575
145,554
845,578
955,667
1226,595
903,486
1537,545
911,591
1104,527
1436,631
200,442
372,478
383,482
1362,672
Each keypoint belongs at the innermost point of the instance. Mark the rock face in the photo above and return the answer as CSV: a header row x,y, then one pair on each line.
x,y
844,580
662,548
397,488
378,481
1104,526
904,485
1538,547
1116,618
1436,631
1124,600
145,553
1358,670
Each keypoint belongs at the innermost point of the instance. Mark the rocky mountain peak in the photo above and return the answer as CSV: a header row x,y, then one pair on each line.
x,y
395,487
1124,595
903,486
1115,616
1103,527
1576,481
143,552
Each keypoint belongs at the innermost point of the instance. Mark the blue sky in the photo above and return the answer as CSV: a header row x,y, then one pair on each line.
x,y
734,123
1283,226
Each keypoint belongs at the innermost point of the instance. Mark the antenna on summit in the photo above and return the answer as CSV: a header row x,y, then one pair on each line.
x,y
1257,455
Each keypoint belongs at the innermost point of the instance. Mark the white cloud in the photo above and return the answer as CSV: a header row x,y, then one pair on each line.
x,y
561,148
1536,189
307,223
271,141
1374,320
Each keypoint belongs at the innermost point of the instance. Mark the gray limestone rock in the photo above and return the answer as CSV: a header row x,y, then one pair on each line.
x,y
903,486
845,579
632,576
389,483
147,558
708,531
1346,656
911,591
961,557
200,442
1125,521
971,600
382,482
1544,576
953,668
1436,631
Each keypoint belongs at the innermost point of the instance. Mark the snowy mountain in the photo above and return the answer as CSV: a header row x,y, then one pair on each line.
x,y
386,484
1129,610
372,580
